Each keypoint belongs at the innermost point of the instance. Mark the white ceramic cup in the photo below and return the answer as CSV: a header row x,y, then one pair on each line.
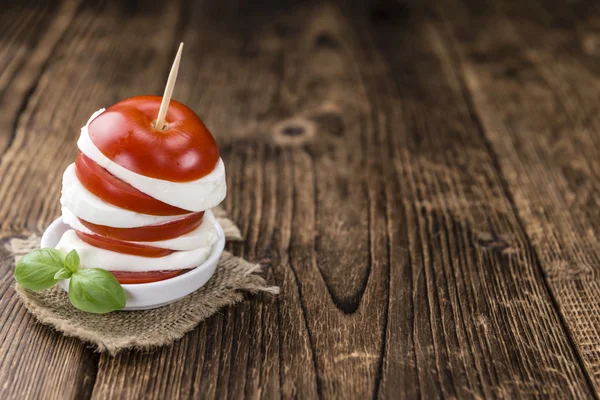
x,y
155,294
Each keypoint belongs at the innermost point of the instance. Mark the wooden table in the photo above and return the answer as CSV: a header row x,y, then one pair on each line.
x,y
421,178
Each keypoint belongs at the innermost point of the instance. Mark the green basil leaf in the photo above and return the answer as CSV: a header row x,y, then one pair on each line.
x,y
36,270
63,273
72,261
96,291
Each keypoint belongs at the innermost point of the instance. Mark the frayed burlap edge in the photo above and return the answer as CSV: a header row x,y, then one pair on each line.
x,y
148,329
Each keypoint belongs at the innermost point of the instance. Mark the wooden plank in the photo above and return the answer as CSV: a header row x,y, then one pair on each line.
x,y
243,351
538,96
35,361
268,348
29,33
29,350
57,97
484,323
403,268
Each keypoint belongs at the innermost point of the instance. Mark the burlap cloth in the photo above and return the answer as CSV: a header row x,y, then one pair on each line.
x,y
151,328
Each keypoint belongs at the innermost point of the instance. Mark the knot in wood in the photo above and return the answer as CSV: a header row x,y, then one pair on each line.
x,y
491,241
293,132
326,40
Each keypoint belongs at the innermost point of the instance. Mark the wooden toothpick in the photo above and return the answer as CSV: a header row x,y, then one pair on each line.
x,y
164,105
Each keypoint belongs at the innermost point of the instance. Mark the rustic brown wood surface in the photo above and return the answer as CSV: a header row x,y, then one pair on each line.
x,y
421,179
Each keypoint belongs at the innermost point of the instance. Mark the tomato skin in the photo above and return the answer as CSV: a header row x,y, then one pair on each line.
x,y
151,233
122,247
114,191
184,151
133,278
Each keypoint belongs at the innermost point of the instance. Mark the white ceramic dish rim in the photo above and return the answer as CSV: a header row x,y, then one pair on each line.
x,y
213,258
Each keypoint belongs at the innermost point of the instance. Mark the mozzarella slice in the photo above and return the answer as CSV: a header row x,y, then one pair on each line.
x,y
199,195
90,208
199,237
93,257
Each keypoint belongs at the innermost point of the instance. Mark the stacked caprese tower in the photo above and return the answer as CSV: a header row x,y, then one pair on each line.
x,y
138,196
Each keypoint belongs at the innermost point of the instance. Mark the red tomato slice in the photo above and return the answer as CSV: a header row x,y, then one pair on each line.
x,y
183,151
112,190
151,233
128,278
119,246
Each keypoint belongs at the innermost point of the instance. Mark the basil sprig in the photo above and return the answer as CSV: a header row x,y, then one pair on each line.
x,y
93,290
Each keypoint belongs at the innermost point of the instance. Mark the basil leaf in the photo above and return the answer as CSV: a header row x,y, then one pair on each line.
x,y
63,273
72,261
96,291
36,270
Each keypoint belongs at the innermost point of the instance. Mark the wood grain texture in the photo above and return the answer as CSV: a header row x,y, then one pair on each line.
x,y
54,91
476,282
406,218
538,98
28,35
27,349
35,362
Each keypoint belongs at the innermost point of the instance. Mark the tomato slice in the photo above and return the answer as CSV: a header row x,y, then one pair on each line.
x,y
150,233
129,278
112,190
183,150
122,247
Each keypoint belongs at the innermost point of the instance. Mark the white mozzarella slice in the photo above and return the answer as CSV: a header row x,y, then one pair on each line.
x,y
199,237
198,195
90,208
93,257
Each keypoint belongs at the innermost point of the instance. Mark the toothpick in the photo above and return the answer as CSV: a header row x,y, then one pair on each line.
x,y
164,105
